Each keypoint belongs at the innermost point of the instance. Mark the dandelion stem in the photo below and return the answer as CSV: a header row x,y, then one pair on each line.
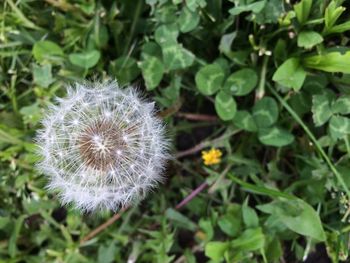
x,y
192,195
184,202
171,110
197,117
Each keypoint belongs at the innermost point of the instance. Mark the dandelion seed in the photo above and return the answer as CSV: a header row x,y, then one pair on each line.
x,y
99,150
75,122
211,157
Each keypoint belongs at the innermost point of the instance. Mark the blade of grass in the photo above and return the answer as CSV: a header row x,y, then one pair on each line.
x,y
137,14
12,93
261,189
26,22
8,138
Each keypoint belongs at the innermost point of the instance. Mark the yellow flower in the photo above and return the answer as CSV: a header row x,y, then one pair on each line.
x,y
212,156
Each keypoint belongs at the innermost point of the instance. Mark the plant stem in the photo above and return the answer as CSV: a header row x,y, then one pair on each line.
x,y
347,213
106,224
192,195
261,89
197,117
204,144
171,110
13,93
347,145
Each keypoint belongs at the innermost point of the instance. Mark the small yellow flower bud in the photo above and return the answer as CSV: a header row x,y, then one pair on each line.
x,y
213,156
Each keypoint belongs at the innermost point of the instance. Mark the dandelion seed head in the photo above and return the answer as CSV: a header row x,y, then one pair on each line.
x,y
102,147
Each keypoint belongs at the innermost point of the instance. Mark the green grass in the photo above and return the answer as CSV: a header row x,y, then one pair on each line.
x,y
266,82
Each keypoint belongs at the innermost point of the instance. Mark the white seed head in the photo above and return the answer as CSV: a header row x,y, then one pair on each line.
x,y
102,147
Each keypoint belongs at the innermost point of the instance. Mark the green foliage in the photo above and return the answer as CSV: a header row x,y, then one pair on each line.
x,y
330,62
215,250
244,120
321,109
291,74
225,106
297,216
265,112
339,127
152,71
308,39
249,215
46,50
188,20
302,10
275,136
42,75
86,59
209,79
331,16
241,82
266,81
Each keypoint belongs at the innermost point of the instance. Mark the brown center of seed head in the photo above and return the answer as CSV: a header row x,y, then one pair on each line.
x,y
101,145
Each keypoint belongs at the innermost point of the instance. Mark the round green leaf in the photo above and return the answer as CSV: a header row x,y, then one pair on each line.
x,y
290,74
209,79
188,20
125,69
98,38
275,136
86,59
194,4
151,48
225,106
175,56
166,34
244,120
321,109
241,82
265,112
31,114
152,71
342,105
339,126
42,75
46,50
